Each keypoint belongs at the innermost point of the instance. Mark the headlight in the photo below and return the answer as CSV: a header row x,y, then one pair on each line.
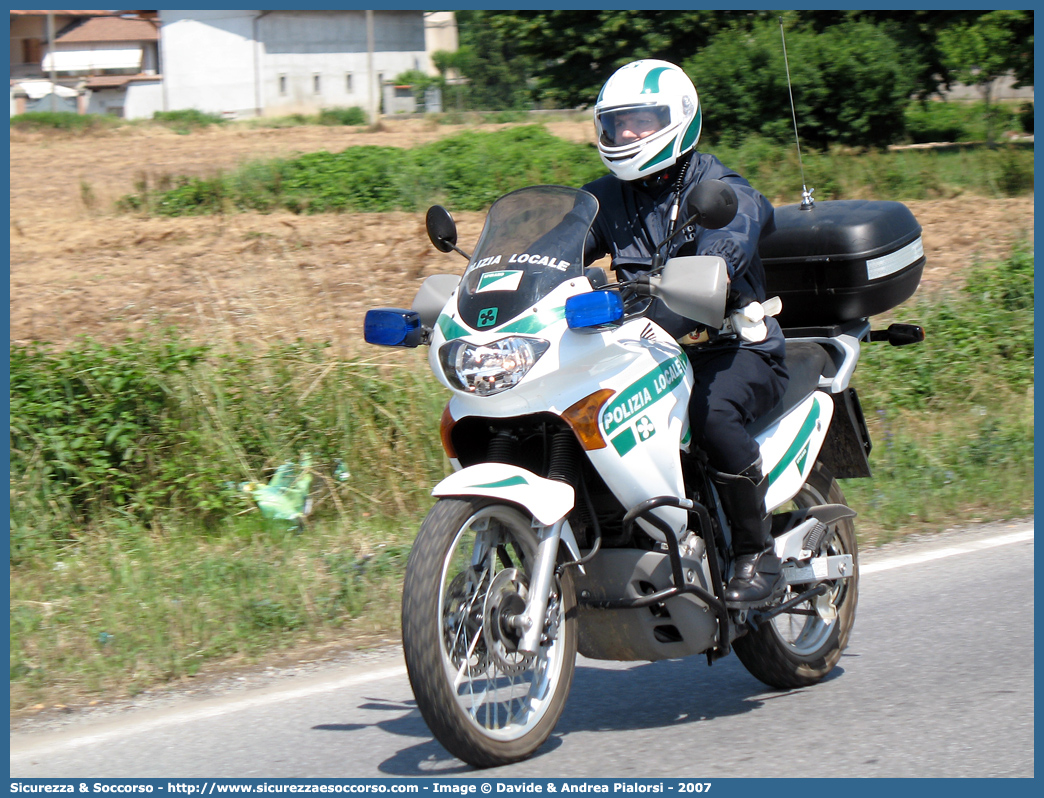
x,y
495,367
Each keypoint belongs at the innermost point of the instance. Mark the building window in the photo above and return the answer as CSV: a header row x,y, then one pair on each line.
x,y
316,84
282,85
32,51
348,82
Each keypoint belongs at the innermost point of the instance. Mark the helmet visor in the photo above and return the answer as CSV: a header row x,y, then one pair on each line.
x,y
627,124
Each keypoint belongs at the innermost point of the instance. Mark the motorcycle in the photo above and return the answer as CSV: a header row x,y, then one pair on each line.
x,y
580,516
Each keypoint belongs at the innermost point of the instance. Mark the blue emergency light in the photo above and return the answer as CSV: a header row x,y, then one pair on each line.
x,y
593,309
393,327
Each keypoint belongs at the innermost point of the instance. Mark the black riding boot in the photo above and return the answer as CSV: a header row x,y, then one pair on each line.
x,y
758,576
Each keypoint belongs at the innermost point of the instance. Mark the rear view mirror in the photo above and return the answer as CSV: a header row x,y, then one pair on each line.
x,y
712,204
442,230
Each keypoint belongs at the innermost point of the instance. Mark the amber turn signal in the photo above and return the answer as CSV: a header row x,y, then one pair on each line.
x,y
582,417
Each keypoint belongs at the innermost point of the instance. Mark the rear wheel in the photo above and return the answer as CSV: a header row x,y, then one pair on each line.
x,y
469,570
800,647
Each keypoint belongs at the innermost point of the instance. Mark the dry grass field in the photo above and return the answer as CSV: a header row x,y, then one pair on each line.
x,y
79,268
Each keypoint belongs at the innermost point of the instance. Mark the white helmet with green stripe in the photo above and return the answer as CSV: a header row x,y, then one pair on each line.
x,y
647,116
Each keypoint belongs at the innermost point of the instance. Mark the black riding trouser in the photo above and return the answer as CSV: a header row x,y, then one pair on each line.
x,y
733,387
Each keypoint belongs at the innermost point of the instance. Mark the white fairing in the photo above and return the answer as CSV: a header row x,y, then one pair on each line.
x,y
644,422
547,500
790,446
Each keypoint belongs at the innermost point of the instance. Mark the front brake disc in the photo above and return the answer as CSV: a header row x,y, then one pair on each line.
x,y
506,597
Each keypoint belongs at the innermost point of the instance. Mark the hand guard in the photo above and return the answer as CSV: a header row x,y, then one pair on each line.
x,y
749,321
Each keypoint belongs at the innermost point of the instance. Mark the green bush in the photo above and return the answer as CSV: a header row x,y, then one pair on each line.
x,y
187,120
154,428
956,121
88,422
342,116
468,171
1026,117
471,170
936,121
773,169
65,121
951,419
851,84
977,342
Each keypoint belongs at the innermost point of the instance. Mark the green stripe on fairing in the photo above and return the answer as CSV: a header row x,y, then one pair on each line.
x,y
800,442
529,324
535,322
655,385
450,328
510,482
652,81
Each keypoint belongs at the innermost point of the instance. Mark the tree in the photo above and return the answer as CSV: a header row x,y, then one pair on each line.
x,y
570,54
914,31
496,74
990,47
851,83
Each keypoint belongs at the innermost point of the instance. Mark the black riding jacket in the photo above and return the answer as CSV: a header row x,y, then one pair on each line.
x,y
634,216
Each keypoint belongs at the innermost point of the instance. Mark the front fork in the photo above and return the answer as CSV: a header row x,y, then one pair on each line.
x,y
530,622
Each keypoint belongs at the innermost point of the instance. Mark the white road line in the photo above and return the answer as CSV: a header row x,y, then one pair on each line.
x,y
25,747
937,554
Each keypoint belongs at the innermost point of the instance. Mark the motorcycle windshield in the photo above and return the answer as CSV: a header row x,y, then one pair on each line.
x,y
533,240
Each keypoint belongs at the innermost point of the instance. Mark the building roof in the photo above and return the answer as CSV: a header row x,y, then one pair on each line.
x,y
116,81
111,29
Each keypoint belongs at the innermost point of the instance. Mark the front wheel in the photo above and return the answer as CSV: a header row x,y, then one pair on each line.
x,y
469,569
800,647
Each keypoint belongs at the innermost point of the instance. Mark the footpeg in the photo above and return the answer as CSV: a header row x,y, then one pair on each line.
x,y
819,569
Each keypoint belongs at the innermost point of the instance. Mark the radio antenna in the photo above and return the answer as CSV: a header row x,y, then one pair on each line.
x,y
806,193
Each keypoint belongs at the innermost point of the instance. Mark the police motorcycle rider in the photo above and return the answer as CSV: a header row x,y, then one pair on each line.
x,y
648,120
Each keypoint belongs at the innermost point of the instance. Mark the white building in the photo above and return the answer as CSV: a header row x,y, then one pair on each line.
x,y
260,63
118,61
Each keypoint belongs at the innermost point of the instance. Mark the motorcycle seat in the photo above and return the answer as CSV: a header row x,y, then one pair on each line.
x,y
806,362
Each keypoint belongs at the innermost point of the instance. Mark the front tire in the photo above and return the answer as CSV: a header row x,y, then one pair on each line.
x,y
484,701
799,648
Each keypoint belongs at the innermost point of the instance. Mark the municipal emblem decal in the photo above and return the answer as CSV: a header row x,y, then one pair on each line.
x,y
645,428
487,317
500,281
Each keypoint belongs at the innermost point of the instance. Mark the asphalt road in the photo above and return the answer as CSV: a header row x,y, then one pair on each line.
x,y
937,681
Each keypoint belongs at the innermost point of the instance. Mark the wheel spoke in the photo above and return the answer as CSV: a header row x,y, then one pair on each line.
x,y
467,659
500,690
